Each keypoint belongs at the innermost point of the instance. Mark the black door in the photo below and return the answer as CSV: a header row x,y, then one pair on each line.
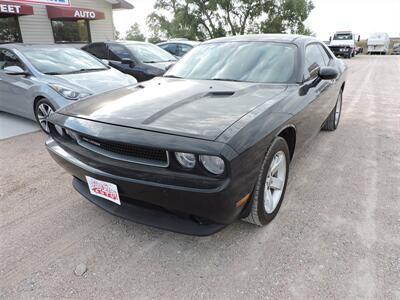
x,y
315,96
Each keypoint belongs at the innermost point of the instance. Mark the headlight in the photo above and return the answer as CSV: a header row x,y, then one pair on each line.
x,y
213,164
187,160
68,93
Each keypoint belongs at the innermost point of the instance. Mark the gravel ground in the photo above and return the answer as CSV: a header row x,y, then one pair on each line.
x,y
337,235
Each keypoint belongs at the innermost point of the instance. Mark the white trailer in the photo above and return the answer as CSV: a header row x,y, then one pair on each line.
x,y
378,43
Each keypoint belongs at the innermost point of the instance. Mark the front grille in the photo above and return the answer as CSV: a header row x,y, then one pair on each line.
x,y
126,152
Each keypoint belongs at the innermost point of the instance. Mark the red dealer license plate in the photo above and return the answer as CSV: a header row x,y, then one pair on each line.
x,y
103,189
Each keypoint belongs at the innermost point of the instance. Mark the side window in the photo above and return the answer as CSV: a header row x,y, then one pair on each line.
x,y
313,61
325,55
98,50
9,59
118,52
183,49
164,47
171,48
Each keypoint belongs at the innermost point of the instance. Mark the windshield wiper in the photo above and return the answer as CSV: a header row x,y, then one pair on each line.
x,y
86,70
226,79
53,73
173,76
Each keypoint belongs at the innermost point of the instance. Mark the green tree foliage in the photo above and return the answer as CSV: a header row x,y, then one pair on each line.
x,y
134,33
204,19
117,34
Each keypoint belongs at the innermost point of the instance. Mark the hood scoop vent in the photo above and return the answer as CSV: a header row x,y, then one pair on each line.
x,y
221,94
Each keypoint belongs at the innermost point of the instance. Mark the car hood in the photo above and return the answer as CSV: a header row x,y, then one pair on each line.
x,y
97,82
196,108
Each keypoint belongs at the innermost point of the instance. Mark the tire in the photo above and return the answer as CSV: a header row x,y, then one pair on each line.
x,y
43,110
332,122
259,214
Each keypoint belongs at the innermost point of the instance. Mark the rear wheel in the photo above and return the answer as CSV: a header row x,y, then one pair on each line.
x,y
271,184
43,110
332,122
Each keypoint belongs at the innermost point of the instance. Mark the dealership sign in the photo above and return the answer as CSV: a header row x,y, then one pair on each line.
x,y
73,13
12,8
47,2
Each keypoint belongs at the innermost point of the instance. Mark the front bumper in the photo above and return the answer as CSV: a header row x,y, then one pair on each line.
x,y
341,50
188,210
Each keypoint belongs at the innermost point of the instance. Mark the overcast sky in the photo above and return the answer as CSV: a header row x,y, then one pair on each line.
x,y
361,16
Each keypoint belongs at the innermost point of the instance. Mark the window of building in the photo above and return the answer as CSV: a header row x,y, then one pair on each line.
x,y
71,31
9,29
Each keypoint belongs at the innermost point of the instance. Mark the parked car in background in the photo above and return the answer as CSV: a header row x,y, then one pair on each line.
x,y
36,80
343,44
396,49
378,43
142,60
209,142
178,47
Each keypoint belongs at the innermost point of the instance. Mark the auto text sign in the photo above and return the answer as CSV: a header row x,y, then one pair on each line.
x,y
47,2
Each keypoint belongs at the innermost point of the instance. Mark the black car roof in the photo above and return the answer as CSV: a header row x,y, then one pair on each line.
x,y
127,42
288,38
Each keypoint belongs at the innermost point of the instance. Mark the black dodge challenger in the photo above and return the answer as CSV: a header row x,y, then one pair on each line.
x,y
208,143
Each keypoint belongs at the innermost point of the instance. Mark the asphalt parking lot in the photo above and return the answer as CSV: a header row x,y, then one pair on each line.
x,y
337,235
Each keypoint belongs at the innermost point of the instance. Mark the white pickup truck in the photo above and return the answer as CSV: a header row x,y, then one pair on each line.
x,y
343,44
378,43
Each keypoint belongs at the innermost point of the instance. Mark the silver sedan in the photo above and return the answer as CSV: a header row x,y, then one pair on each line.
x,y
36,80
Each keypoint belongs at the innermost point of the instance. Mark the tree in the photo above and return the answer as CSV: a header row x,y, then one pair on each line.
x,y
134,33
288,16
117,34
204,19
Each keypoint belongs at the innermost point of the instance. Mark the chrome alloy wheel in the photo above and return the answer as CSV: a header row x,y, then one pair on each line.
x,y
338,110
275,182
44,110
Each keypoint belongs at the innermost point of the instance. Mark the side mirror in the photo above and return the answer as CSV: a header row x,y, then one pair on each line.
x,y
169,67
330,39
328,73
359,37
15,70
127,61
105,61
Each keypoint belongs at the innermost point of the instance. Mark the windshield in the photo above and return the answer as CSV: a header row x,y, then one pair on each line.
x,y
148,53
262,62
343,36
57,61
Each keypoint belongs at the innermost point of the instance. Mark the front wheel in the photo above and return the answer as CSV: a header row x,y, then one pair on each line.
x,y
43,110
271,184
